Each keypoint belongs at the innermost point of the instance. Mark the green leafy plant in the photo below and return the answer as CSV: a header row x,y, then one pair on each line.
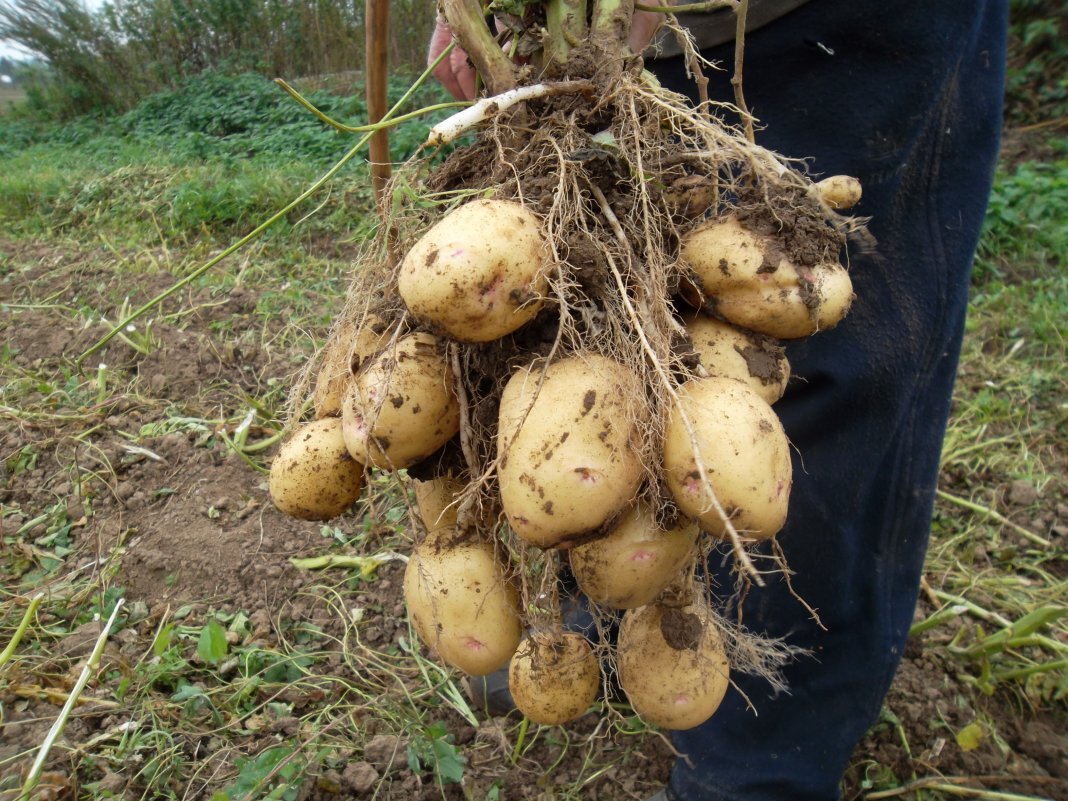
x,y
432,749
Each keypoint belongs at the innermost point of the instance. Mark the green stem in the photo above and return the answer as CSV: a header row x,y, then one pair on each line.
x,y
467,21
521,739
1034,670
993,515
610,28
21,630
687,8
565,21
258,230
57,728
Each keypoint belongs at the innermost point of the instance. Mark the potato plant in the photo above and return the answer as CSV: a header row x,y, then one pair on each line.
x,y
568,334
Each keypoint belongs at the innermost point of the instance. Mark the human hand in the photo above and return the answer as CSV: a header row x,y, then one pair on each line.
x,y
455,72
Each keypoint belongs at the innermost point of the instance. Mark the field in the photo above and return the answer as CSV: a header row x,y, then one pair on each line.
x,y
253,656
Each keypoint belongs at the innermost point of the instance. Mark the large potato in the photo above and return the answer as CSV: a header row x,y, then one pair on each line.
x,y
553,677
672,665
728,351
401,407
744,450
635,561
346,350
751,283
460,602
314,477
571,462
479,273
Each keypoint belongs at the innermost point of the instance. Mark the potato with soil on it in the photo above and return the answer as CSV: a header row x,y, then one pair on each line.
x,y
744,450
345,352
479,273
401,407
672,664
314,477
460,602
437,500
632,564
749,281
754,359
570,463
553,677
839,191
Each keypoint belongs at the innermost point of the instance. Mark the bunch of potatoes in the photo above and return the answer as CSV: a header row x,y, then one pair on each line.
x,y
568,437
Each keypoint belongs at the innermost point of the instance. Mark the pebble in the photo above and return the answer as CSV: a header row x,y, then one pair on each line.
x,y
1022,493
359,777
382,750
125,490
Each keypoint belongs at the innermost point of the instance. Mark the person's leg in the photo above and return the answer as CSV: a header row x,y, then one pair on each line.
x,y
906,96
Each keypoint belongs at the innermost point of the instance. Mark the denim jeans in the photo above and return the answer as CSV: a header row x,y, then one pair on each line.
x,y
906,96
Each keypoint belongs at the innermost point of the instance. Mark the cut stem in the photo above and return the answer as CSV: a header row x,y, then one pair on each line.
x,y
468,24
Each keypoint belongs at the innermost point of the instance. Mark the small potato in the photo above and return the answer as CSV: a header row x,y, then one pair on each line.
x,y
438,500
479,273
751,283
635,561
460,602
553,677
314,477
348,347
751,358
745,453
401,407
672,665
840,191
572,462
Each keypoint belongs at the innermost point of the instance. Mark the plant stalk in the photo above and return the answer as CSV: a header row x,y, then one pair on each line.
x,y
467,21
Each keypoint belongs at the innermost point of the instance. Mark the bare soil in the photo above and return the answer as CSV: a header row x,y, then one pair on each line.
x,y
175,522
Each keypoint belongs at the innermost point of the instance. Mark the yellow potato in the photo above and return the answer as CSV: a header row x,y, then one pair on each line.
x,y
749,281
572,462
346,350
438,500
479,273
553,677
314,477
460,602
401,407
744,450
840,191
672,665
751,358
635,561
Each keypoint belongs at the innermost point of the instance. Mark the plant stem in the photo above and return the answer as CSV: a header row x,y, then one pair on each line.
x,y
565,21
736,79
21,630
993,515
94,658
520,739
610,30
687,8
468,24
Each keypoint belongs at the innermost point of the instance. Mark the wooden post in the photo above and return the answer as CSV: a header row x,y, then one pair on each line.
x,y
376,26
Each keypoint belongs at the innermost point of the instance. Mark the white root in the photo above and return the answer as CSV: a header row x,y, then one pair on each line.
x,y
461,122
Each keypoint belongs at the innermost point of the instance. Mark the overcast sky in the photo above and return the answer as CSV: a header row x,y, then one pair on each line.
x,y
7,49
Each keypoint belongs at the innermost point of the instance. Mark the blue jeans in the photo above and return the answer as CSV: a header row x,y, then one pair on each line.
x,y
906,96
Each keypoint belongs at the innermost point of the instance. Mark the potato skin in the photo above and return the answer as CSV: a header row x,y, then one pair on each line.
x,y
478,273
401,407
351,344
554,677
675,681
314,477
632,564
437,501
840,191
751,284
572,462
728,351
744,449
461,604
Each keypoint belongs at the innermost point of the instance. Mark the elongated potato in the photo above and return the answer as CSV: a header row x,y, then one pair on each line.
x,y
751,283
840,191
751,358
314,477
632,564
744,450
479,273
553,677
401,407
460,602
571,462
672,665
348,348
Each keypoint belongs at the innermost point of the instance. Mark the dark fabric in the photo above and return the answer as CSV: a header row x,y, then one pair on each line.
x,y
905,95
714,28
